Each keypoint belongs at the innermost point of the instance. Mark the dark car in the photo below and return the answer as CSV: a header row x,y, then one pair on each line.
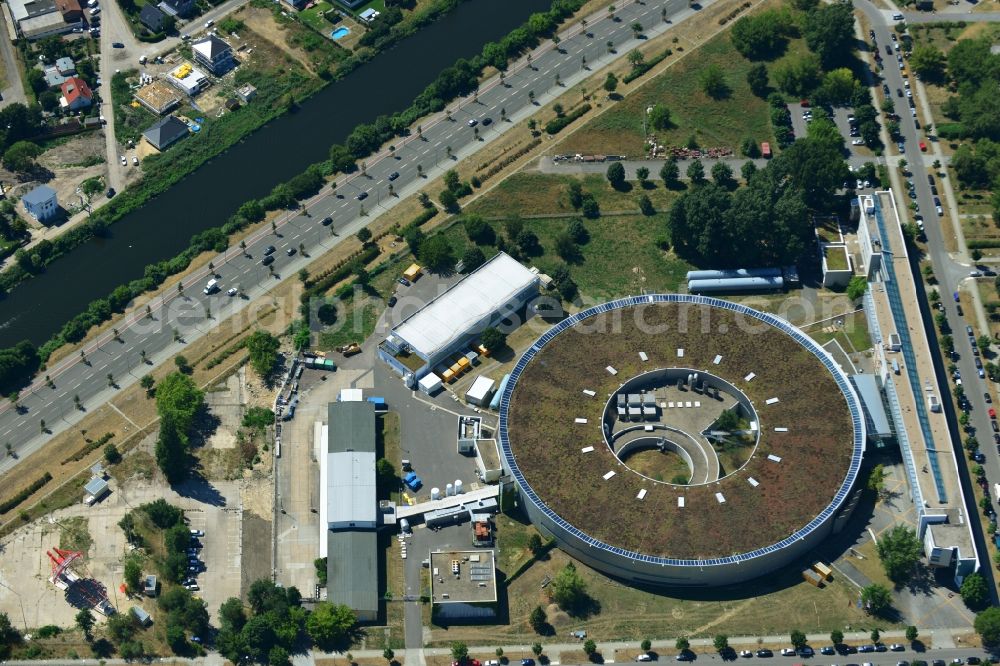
x,y
866,648
899,92
888,50
403,281
117,45
996,438
987,397
362,196
267,261
392,301
973,660
394,175
764,653
979,457
111,192
487,121
685,656
270,249
527,662
327,221
880,648
930,179
290,251
885,88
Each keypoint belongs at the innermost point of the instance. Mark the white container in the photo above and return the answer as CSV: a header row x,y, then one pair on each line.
x,y
449,490
435,493
458,486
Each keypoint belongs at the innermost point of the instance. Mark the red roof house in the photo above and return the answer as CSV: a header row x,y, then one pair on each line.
x,y
76,94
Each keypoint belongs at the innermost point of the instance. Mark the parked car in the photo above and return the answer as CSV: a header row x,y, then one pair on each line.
x,y
197,533
361,196
290,251
473,122
117,45
326,221
394,175
270,249
406,283
764,653
746,654
827,649
787,652
232,291
111,192
392,301
267,261
645,656
527,662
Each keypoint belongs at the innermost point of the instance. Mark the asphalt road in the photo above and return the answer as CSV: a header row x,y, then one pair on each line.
x,y
949,272
429,151
14,91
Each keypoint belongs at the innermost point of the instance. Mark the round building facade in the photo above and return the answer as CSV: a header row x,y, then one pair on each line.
x,y
679,440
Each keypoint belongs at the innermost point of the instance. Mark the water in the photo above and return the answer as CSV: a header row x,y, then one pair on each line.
x,y
340,32
275,153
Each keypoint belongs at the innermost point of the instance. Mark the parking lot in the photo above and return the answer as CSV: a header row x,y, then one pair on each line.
x,y
221,553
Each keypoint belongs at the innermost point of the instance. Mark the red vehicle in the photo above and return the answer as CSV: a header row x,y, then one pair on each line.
x,y
804,103
923,147
765,150
992,412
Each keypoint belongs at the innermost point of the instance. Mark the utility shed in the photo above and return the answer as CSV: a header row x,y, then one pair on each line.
x,y
480,392
352,572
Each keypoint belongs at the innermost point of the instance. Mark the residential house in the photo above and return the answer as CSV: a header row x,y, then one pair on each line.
x,y
246,92
76,94
298,4
188,79
158,97
369,15
214,54
95,490
55,75
41,203
351,4
182,8
152,18
163,133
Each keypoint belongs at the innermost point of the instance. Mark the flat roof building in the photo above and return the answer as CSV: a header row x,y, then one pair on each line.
x,y
352,572
188,79
41,203
463,584
495,290
348,506
913,395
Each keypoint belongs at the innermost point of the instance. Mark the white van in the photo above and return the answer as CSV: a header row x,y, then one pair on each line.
x,y
212,285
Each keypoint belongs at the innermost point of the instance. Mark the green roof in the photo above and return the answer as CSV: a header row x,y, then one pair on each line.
x,y
351,427
352,570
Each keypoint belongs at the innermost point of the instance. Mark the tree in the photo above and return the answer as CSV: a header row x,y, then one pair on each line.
x,y
479,230
911,633
616,175
610,83
569,590
670,173
493,339
171,450
590,648
900,550
646,645
975,593
761,36
437,254
857,287
459,651
836,637
659,117
983,342
536,648
472,259
363,235
9,636
722,174
721,642
388,655
111,454
682,644
876,598
20,157
278,656
838,86
713,82
538,620
798,75
232,617
449,201
176,639
121,627
748,170
535,544
329,624
829,33
566,247
758,81
876,636
798,639
987,625
84,620
929,62
696,172
263,349
133,575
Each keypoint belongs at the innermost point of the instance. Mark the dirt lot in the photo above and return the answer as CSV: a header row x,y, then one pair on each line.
x,y
67,163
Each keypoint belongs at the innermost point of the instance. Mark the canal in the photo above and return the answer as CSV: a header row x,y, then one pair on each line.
x,y
162,228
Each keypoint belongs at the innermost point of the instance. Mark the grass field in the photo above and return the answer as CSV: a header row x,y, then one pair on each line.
x,y
354,324
313,17
713,123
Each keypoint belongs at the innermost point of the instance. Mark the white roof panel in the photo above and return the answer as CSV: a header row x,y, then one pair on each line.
x,y
465,306
350,493
480,388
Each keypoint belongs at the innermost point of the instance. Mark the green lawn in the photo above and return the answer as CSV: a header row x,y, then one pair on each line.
x,y
355,323
313,17
720,123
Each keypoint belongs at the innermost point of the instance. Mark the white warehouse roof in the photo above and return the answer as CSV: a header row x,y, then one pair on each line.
x,y
467,305
350,495
479,389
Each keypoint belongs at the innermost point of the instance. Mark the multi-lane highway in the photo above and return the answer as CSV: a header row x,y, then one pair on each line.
x,y
177,318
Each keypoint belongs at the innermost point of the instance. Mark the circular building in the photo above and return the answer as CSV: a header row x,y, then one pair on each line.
x,y
681,440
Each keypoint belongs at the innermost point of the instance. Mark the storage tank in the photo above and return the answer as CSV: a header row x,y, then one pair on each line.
x,y
404,526
458,486
435,493
449,490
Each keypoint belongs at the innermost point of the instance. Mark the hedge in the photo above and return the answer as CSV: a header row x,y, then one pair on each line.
x,y
25,494
951,130
983,243
557,124
642,68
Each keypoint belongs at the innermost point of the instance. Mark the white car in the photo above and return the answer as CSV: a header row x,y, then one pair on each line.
x,y
135,161
232,292
787,652
909,93
644,657
858,142
124,161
